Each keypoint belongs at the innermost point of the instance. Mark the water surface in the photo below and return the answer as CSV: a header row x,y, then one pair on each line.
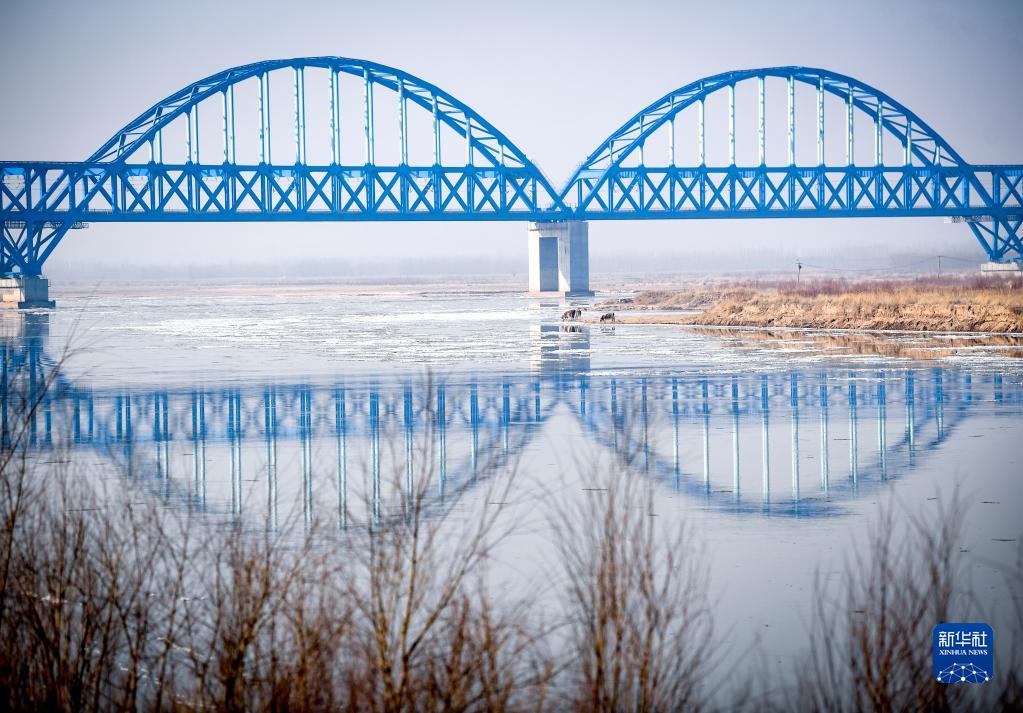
x,y
320,401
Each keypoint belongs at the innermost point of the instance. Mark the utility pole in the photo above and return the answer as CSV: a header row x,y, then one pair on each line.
x,y
799,270
939,265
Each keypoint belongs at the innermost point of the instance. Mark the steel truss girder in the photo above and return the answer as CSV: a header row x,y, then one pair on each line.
x,y
157,192
707,192
122,192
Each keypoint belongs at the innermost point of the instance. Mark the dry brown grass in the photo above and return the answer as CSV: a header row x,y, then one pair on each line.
x,y
640,628
976,304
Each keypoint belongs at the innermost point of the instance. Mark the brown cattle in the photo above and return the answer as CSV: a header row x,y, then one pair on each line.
x,y
572,314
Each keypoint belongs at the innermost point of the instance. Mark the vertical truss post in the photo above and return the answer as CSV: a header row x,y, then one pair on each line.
x,y
878,137
820,121
223,124
850,156
335,117
367,114
436,157
156,147
761,122
192,135
470,180
264,118
642,141
227,97
731,124
436,133
908,157
402,122
671,137
300,115
702,144
792,121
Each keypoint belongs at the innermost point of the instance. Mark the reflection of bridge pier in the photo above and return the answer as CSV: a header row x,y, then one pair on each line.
x,y
23,339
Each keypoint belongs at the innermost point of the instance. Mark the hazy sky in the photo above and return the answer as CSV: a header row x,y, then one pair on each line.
x,y
555,76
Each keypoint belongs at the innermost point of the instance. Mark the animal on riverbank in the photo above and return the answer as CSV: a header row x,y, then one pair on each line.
x,y
607,317
572,314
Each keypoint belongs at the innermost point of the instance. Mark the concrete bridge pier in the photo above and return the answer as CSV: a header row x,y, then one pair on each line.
x,y
559,258
25,292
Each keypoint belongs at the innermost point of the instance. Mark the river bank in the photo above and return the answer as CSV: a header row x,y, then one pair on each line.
x,y
990,305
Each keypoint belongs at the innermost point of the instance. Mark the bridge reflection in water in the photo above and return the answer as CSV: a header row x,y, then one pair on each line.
x,y
788,443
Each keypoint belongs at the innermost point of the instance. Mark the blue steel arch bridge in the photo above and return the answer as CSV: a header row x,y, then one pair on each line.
x,y
383,145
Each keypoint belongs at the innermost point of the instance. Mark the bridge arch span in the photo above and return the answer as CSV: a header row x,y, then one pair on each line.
x,y
618,179
130,178
483,138
926,144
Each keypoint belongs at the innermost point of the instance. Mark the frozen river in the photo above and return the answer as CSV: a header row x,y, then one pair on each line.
x,y
271,403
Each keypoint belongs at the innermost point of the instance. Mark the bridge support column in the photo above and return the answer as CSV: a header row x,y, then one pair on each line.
x,y
559,258
25,292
